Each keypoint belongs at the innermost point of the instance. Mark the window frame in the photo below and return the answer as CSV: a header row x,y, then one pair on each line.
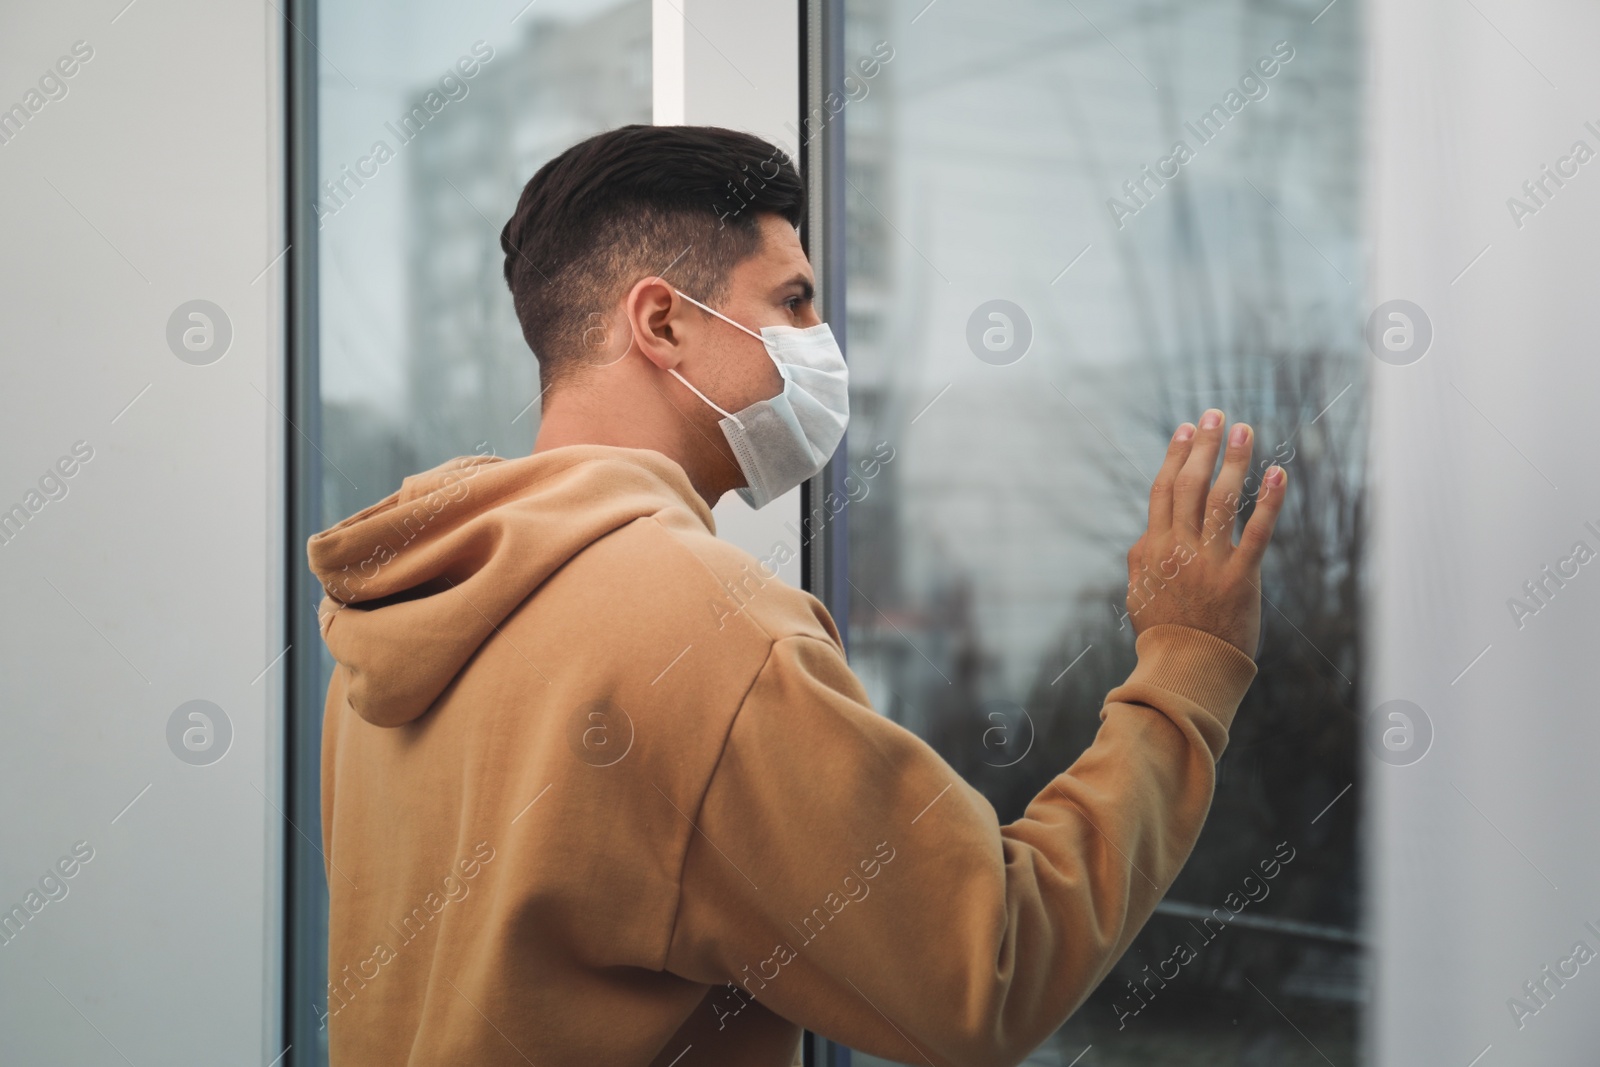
x,y
305,895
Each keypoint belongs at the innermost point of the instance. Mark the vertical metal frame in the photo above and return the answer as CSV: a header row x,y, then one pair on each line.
x,y
305,892
825,559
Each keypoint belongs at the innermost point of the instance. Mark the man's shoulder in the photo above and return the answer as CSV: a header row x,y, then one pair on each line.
x,y
702,579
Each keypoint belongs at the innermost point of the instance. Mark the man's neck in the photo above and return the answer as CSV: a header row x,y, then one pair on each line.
x,y
559,429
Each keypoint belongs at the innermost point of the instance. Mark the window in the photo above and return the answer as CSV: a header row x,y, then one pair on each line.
x,y
1033,309
1039,288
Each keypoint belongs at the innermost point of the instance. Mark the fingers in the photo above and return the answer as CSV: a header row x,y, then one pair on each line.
x,y
1226,499
1161,488
1193,482
1258,531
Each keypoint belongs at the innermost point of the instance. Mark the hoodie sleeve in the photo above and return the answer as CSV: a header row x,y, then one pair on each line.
x,y
844,877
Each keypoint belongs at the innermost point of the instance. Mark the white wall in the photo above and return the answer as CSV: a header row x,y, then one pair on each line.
x,y
1486,472
735,63
155,580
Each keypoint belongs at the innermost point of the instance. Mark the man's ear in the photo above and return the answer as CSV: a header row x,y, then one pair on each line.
x,y
657,317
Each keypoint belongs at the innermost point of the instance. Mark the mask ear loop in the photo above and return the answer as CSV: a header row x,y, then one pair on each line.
x,y
707,399
721,316
730,322
714,405
727,414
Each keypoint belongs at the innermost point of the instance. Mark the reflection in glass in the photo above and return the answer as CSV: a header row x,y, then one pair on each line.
x,y
1041,287
430,121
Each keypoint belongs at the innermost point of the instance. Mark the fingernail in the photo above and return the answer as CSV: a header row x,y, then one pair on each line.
x,y
1210,419
1274,476
1185,432
1240,431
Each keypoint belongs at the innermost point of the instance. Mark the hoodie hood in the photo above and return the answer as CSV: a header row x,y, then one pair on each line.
x,y
414,584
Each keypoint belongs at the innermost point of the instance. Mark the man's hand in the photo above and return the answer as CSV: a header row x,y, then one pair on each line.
x,y
1185,567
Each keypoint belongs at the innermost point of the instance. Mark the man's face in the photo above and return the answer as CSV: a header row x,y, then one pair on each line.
x,y
773,287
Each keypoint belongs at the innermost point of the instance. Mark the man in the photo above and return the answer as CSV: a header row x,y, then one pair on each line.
x,y
598,789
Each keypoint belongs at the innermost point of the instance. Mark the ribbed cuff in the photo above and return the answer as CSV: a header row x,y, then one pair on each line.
x,y
1198,666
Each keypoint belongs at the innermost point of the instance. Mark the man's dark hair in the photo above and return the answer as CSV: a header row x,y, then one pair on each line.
x,y
682,202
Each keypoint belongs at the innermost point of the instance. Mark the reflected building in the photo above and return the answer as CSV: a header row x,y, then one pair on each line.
x,y
471,376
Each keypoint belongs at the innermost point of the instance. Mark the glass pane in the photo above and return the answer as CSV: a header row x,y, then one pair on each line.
x,y
431,119
1041,287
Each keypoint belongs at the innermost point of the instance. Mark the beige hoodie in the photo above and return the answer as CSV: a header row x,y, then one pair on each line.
x,y
598,791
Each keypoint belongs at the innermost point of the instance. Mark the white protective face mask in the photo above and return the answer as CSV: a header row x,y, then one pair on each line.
x,y
782,442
